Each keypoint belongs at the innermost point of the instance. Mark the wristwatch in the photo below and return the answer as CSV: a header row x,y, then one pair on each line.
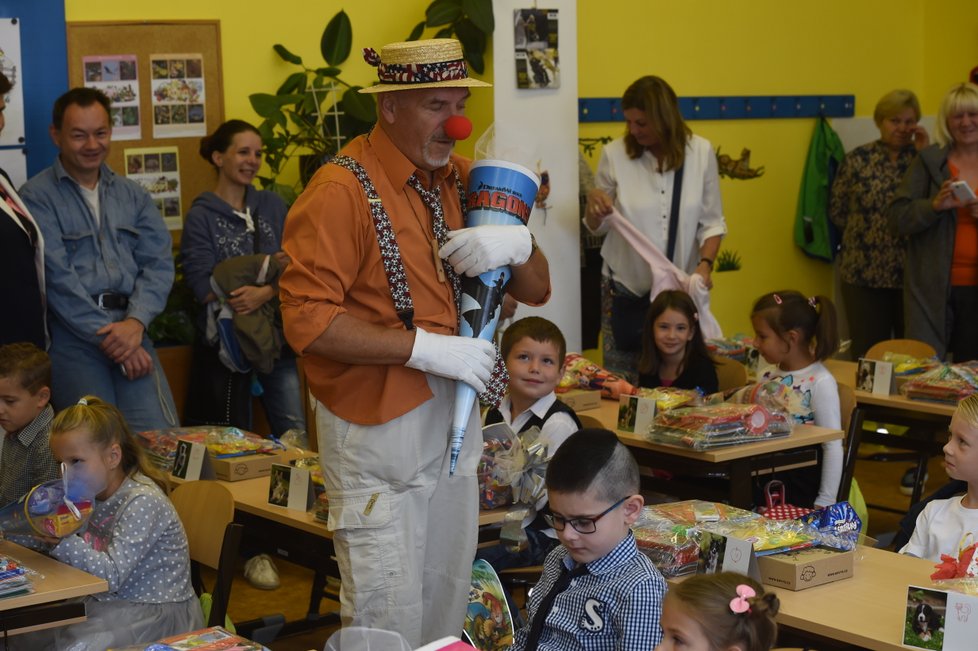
x,y
707,261
533,245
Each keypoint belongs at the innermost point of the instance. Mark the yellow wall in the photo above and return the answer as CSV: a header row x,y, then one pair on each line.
x,y
764,47
710,47
249,28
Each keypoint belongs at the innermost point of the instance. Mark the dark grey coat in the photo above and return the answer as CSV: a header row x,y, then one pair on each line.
x,y
930,247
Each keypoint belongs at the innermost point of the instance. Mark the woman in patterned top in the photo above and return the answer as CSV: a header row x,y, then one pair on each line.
x,y
871,262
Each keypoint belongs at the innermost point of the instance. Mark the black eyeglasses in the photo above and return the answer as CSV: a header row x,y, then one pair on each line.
x,y
581,525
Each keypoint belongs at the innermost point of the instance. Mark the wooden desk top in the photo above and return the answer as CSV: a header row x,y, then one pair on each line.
x,y
801,436
57,580
866,610
251,496
845,373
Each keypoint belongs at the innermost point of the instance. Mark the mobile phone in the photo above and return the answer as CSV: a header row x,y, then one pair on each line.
x,y
962,191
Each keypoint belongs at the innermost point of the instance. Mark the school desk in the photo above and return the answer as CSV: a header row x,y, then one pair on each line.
x,y
53,583
722,474
927,421
299,538
866,611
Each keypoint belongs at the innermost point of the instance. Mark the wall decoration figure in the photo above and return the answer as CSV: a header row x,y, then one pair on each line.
x,y
740,168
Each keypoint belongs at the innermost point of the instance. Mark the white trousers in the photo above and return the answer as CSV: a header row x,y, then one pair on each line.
x,y
404,531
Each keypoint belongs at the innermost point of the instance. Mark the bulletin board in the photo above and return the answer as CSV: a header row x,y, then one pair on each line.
x,y
142,39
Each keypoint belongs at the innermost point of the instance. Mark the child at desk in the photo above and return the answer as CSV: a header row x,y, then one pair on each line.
x,y
946,525
134,539
597,590
673,351
797,334
534,351
25,417
719,612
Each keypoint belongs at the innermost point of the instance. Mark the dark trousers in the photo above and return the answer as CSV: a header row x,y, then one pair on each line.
x,y
963,343
874,314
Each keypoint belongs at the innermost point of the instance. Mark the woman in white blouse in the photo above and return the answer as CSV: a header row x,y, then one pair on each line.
x,y
637,176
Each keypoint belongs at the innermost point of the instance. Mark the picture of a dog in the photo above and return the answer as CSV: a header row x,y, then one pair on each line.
x,y
926,622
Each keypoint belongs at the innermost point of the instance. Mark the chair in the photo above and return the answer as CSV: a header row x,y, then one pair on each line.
x,y
911,347
206,509
731,374
852,425
590,422
914,348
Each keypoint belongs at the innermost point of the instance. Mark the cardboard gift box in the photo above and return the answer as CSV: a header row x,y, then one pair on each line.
x,y
581,399
244,467
805,568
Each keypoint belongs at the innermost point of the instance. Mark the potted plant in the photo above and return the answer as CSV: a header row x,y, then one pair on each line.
x,y
314,112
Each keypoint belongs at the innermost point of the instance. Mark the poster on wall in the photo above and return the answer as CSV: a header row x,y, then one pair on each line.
x,y
10,64
535,48
178,95
117,77
157,169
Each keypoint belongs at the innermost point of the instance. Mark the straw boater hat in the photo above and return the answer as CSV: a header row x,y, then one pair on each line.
x,y
432,63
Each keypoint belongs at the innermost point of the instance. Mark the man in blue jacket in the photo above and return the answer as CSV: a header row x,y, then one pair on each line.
x,y
108,267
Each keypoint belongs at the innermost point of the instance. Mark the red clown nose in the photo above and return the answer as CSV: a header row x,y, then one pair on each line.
x,y
458,127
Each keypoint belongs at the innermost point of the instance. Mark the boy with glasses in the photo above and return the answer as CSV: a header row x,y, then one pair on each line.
x,y
597,590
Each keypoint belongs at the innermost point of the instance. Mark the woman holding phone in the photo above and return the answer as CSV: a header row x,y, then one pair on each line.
x,y
941,278
871,260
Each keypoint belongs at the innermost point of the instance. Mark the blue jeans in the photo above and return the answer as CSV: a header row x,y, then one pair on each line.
x,y
79,368
282,397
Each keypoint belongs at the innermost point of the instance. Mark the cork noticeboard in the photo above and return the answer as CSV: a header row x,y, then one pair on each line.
x,y
143,39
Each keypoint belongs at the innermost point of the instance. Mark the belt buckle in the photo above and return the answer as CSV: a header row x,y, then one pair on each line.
x,y
101,304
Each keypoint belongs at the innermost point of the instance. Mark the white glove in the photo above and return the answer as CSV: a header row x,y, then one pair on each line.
x,y
458,358
472,251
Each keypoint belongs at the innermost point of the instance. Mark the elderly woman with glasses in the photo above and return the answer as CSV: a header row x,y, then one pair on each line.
x,y
871,260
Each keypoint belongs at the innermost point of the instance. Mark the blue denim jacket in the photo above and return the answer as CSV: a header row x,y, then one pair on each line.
x,y
130,253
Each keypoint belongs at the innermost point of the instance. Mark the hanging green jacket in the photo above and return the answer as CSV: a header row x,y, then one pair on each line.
x,y
814,233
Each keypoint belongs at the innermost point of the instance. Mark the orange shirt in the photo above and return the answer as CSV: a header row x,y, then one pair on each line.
x,y
336,268
964,261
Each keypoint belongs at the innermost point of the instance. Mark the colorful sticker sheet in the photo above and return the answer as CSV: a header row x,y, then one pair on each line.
x,y
179,103
157,169
117,76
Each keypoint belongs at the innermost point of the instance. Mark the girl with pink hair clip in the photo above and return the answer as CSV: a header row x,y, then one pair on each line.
x,y
718,612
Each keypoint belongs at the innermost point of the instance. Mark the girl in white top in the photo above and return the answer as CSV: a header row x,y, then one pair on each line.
x,y
947,526
637,175
796,334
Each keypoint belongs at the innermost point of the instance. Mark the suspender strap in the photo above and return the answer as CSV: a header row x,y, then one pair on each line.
x,y
390,252
677,190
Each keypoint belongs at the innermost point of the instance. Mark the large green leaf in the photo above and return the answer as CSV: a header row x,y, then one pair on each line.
x,y
294,83
444,32
264,104
359,105
331,71
443,12
480,13
337,39
286,55
477,60
416,32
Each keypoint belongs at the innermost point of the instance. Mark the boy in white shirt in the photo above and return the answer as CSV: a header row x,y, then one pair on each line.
x,y
534,351
944,525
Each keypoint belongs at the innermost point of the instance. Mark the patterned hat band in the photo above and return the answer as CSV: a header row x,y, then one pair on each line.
x,y
416,73
420,64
